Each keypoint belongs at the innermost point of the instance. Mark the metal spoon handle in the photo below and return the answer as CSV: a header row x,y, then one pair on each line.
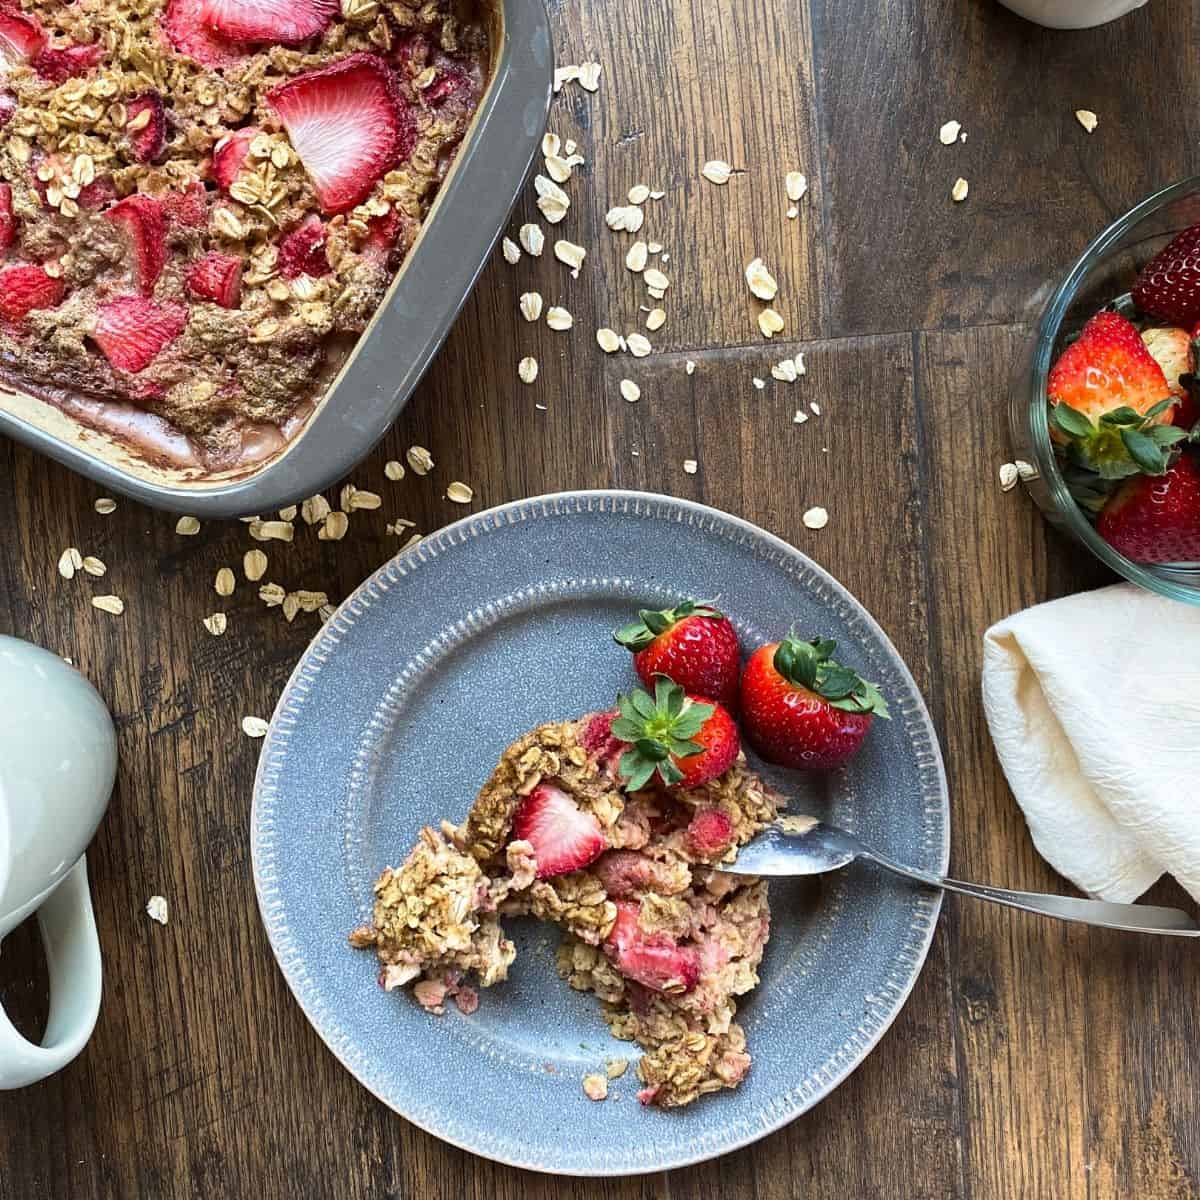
x,y
1136,918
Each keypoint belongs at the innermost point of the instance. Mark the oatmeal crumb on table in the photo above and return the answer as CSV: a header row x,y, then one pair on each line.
x,y
652,926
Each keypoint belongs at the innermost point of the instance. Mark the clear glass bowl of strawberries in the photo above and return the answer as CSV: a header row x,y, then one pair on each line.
x,y
1106,403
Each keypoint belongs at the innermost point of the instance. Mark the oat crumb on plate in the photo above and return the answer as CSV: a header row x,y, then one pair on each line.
x,y
595,1087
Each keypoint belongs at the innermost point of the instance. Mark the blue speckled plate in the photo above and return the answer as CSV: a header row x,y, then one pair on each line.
x,y
397,713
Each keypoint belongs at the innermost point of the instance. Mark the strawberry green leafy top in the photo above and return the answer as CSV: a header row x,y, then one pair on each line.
x,y
658,728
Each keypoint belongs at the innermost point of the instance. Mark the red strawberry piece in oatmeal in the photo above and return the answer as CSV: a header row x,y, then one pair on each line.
x,y
146,126
564,837
302,251
25,288
626,873
278,22
709,833
655,960
8,222
216,277
22,39
347,124
8,106
60,63
133,331
229,154
188,206
183,24
145,222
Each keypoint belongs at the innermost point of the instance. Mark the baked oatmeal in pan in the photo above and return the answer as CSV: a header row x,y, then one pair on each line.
x,y
202,202
652,926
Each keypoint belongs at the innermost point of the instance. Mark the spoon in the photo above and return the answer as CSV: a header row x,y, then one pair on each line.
x,y
806,846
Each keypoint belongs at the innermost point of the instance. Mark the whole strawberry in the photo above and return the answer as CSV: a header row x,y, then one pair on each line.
x,y
1156,519
683,740
1110,404
1169,284
802,708
692,644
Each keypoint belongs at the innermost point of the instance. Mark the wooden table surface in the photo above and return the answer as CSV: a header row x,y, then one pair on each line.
x,y
1033,1059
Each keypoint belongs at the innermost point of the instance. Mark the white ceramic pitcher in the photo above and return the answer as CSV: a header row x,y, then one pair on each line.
x,y
58,760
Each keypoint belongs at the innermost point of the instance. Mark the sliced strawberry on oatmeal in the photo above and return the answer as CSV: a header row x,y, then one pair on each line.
x,y
302,251
564,837
216,277
184,26
229,155
146,126
144,220
279,22
25,288
8,222
60,63
654,960
22,38
132,331
345,123
710,833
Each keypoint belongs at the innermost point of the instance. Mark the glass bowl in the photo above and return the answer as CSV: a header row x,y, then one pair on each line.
x,y
1105,271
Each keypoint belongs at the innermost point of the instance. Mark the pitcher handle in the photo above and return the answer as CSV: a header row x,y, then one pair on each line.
x,y
73,958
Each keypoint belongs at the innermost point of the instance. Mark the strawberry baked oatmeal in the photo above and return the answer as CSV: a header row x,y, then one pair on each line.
x,y
202,202
615,827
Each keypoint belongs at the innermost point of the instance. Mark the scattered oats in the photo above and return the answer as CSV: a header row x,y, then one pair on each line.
x,y
334,527
394,470
639,345
716,171
1008,476
564,75
531,305
311,602
570,254
412,541
552,200
69,562
655,293
638,194
541,408
187,526
419,459
364,499
225,582
289,513
608,340
689,466
105,505
271,594
290,607
760,281
948,134
460,493
1025,470
635,260
616,1067
1087,119
758,383
559,319
527,369
656,318
589,76
625,218
959,192
94,566
532,239
595,1087
314,510
655,247
570,147
325,612
784,371
801,369
558,168
657,194
266,531
512,252
795,184
815,518
816,408
666,257
630,391
109,604
156,906
769,322
551,144
793,213
656,279
800,417
216,624
399,525
689,367
254,727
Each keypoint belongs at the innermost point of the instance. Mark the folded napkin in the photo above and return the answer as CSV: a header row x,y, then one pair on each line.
x,y
1094,705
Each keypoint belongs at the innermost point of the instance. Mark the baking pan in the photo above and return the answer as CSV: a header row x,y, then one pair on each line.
x,y
393,352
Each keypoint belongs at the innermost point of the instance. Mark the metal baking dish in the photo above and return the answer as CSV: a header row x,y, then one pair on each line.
x,y
373,384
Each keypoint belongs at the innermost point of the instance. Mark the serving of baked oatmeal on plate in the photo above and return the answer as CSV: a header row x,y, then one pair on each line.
x,y
511,922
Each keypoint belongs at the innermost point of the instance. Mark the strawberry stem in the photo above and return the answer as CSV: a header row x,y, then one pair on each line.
x,y
637,635
811,665
659,729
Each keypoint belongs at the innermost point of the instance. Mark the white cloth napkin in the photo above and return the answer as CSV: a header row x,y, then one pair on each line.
x,y
1094,705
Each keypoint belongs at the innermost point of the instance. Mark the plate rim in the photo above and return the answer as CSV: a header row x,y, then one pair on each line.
x,y
551,504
